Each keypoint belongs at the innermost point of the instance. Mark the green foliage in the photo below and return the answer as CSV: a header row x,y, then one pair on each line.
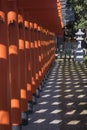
x,y
80,8
85,57
85,60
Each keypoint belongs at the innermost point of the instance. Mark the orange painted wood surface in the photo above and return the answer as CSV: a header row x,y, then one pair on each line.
x,y
5,122
13,63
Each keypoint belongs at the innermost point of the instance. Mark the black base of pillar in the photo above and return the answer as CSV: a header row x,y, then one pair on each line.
x,y
24,116
42,84
40,88
16,127
24,122
34,99
30,107
38,93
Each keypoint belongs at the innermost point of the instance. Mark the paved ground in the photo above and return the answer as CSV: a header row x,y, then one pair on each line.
x,y
63,101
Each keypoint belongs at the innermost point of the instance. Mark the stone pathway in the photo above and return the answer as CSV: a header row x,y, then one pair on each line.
x,y
63,101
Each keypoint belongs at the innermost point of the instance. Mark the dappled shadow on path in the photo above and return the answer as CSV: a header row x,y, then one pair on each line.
x,y
63,101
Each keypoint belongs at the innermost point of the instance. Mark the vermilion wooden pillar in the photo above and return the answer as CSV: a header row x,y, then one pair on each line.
x,y
22,68
44,52
32,37
13,65
41,39
46,47
4,88
28,63
36,59
42,55
39,53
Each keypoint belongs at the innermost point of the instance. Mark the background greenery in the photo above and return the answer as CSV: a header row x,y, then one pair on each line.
x,y
80,9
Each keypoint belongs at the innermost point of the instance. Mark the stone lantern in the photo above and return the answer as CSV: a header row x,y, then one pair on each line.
x,y
79,51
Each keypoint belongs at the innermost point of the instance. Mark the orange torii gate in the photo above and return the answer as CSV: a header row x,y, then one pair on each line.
x,y
27,49
5,120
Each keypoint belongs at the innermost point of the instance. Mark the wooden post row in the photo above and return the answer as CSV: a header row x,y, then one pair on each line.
x,y
28,63
22,68
26,53
5,120
14,64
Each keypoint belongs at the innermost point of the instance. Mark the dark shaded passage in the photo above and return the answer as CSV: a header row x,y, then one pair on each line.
x,y
63,101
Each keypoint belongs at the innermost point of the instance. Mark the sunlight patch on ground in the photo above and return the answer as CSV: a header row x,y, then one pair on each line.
x,y
68,96
55,122
71,112
85,86
56,96
67,82
76,83
56,103
41,111
82,103
77,86
47,95
39,121
84,112
43,103
69,104
56,111
79,90
46,90
81,96
68,90
57,90
57,86
73,122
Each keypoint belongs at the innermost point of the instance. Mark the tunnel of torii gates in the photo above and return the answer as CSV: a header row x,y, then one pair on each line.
x,y
27,49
